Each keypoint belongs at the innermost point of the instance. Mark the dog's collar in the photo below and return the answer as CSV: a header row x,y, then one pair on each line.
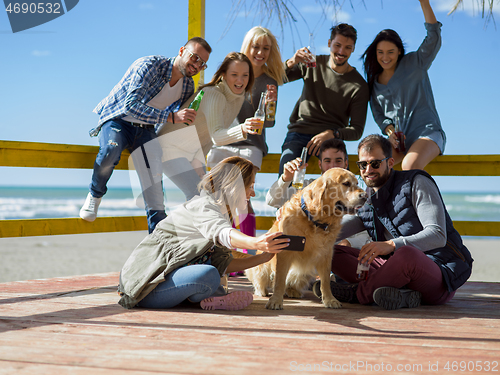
x,y
323,226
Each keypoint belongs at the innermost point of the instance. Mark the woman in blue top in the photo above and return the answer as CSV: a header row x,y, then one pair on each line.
x,y
400,87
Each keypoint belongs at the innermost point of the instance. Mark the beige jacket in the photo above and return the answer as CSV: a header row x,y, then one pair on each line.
x,y
186,234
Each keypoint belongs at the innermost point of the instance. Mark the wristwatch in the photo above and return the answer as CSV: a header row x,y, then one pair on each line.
x,y
336,133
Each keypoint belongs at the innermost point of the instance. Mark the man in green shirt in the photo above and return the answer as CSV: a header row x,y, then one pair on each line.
x,y
334,98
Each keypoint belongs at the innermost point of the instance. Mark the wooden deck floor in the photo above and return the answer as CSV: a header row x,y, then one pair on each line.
x,y
74,325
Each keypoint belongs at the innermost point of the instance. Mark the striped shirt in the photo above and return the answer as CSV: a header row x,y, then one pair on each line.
x,y
142,82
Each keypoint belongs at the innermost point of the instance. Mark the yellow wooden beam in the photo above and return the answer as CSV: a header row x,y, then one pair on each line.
x,y
445,165
52,155
264,222
47,227
196,27
465,165
477,228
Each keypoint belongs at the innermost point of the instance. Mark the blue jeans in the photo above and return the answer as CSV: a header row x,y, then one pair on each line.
x,y
195,282
116,136
292,147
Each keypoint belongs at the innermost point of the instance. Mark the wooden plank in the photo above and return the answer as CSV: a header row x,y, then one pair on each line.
x,y
445,165
74,325
52,155
477,228
46,227
270,163
264,222
465,165
196,27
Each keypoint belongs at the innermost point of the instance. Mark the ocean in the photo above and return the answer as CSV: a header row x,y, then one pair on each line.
x,y
64,202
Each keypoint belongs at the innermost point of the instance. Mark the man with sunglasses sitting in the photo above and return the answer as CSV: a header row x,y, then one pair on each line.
x,y
148,96
416,254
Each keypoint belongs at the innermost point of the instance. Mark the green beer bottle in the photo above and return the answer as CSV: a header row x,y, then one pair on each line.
x,y
195,104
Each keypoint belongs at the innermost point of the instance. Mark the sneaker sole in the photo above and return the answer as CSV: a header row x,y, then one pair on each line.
x,y
232,301
393,298
341,292
87,217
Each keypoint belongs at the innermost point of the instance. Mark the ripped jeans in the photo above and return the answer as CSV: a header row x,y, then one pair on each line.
x,y
117,135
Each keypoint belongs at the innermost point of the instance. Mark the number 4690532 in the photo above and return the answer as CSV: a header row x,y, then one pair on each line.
x,y
33,8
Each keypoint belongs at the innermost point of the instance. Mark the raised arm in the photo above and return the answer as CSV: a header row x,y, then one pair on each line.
x,y
429,48
301,56
428,12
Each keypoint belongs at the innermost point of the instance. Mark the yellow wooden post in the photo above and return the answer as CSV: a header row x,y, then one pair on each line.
x,y
196,27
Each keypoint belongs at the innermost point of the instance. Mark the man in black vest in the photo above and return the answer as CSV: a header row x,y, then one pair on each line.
x,y
416,255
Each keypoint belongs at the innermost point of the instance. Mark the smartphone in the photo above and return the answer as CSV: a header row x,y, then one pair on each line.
x,y
297,243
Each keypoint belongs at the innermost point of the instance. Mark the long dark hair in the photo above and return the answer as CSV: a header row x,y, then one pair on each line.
x,y
232,56
369,57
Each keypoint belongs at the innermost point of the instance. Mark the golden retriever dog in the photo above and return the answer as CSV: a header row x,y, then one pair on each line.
x,y
315,213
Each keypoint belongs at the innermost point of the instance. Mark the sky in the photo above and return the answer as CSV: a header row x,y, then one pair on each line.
x,y
52,76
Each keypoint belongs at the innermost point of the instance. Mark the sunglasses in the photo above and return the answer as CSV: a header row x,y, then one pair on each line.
x,y
197,59
375,164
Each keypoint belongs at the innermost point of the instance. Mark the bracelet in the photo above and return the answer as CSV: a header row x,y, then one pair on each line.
x,y
173,119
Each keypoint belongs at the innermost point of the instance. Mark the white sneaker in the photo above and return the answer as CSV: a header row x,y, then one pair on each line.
x,y
89,209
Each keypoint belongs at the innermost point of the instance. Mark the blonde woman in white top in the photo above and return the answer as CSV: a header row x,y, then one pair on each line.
x,y
261,47
185,147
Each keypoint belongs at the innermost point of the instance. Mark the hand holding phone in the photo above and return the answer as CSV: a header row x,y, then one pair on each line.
x,y
297,243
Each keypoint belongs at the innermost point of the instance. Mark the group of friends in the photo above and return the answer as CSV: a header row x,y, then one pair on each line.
x,y
403,232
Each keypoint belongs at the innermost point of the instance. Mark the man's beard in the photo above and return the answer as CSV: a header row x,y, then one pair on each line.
x,y
340,64
185,72
379,181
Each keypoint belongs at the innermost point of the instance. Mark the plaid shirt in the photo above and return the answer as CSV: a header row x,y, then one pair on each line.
x,y
142,82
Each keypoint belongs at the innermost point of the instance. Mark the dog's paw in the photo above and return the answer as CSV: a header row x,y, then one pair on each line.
x,y
332,303
293,293
274,304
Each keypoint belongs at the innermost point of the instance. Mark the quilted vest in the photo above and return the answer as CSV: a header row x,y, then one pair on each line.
x,y
391,208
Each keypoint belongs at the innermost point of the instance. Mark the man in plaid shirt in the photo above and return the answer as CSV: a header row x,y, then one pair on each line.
x,y
148,96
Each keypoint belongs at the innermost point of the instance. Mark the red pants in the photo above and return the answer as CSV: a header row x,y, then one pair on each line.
x,y
408,267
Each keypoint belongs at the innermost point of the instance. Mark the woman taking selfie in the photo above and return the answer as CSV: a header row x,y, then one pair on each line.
x,y
189,251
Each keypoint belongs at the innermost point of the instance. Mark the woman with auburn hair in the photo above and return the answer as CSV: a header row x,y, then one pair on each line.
x,y
186,147
188,252
400,88
261,47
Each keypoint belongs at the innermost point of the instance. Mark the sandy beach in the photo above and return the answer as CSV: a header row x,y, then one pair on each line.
x,y
28,258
